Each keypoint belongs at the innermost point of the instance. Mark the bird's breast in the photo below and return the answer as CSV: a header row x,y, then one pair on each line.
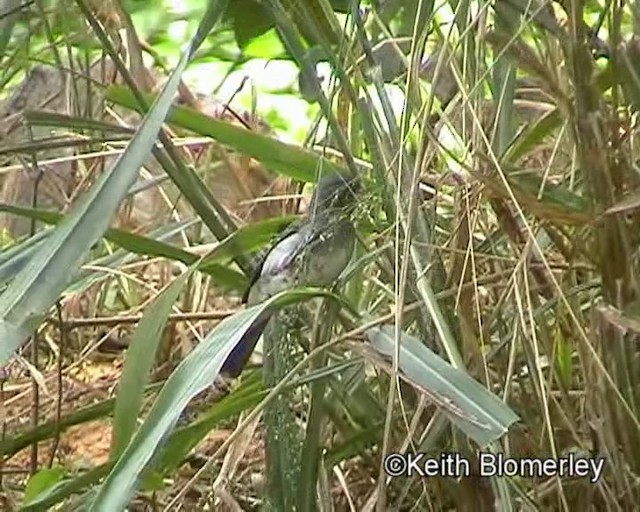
x,y
329,253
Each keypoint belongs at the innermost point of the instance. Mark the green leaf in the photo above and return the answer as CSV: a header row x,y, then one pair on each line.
x,y
41,482
137,244
476,411
14,258
250,20
249,394
12,445
67,122
532,136
139,361
504,81
556,203
193,375
286,159
9,14
630,73
247,239
537,12
563,357
28,297
66,488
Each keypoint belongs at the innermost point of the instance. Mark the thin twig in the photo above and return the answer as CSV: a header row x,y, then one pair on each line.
x,y
61,344
110,321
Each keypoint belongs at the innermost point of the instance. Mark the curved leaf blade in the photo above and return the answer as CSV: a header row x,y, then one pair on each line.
x,y
469,405
139,361
36,288
192,376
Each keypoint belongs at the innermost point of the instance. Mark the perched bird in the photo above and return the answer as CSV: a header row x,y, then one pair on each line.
x,y
312,251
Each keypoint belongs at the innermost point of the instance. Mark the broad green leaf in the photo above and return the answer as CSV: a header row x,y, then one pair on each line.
x,y
532,136
14,258
556,203
66,488
12,445
630,71
356,444
139,361
538,12
250,20
28,297
564,350
469,405
249,394
193,375
504,81
44,144
247,239
67,122
42,482
286,159
132,242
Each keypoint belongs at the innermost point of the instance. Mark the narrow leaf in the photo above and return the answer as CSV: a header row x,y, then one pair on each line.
x,y
476,411
284,158
193,375
39,284
139,361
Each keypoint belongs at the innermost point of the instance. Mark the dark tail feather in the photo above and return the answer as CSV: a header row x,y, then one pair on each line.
x,y
241,353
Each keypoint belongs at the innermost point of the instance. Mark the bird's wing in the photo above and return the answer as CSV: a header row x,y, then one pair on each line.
x,y
261,257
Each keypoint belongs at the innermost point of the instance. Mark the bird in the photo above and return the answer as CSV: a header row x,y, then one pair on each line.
x,y
312,251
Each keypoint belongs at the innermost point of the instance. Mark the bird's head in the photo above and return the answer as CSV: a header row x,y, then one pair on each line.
x,y
335,191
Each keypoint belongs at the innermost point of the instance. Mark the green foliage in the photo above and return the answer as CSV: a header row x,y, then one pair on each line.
x,y
496,269
41,482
